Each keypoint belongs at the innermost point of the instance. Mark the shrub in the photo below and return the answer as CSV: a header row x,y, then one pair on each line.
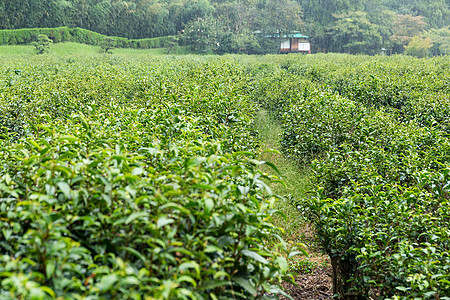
x,y
42,45
107,45
376,141
418,47
134,178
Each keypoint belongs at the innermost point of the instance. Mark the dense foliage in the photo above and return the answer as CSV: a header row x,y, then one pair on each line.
x,y
133,179
375,132
357,26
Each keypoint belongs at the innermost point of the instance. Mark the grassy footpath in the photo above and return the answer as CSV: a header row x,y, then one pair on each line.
x,y
297,229
70,48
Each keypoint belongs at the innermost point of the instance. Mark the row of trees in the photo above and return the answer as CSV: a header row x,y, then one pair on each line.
x,y
353,26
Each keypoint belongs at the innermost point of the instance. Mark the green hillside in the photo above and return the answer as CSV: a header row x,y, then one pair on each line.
x,y
71,48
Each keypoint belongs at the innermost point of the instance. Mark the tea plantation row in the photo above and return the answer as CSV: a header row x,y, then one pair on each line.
x,y
130,178
375,132
137,178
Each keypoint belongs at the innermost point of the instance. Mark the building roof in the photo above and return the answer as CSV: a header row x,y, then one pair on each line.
x,y
292,34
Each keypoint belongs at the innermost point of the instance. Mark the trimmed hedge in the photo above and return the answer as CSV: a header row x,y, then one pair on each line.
x,y
79,35
374,132
133,178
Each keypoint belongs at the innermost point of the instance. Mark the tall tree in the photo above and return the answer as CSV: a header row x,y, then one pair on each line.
x,y
384,20
280,16
83,10
440,39
418,47
405,28
195,9
120,18
238,17
353,33
202,34
435,12
98,17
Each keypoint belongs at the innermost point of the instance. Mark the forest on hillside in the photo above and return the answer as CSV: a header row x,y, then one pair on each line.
x,y
227,26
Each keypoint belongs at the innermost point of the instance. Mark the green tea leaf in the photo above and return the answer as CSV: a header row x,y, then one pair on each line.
x,y
107,282
163,221
282,262
247,285
136,215
255,256
65,188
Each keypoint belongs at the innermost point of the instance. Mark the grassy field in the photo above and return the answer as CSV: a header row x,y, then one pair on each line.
x,y
70,48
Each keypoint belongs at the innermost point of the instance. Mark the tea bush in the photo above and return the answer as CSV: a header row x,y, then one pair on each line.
x,y
375,131
401,83
133,179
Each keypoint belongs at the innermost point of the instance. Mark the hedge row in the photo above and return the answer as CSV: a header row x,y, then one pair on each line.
x,y
64,34
380,201
133,178
413,89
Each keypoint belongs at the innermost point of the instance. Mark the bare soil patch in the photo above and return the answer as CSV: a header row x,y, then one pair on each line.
x,y
314,286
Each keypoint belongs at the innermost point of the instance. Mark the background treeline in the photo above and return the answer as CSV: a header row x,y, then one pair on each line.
x,y
420,27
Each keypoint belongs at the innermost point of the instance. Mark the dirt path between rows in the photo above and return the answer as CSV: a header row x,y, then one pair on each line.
x,y
313,282
312,273
316,285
